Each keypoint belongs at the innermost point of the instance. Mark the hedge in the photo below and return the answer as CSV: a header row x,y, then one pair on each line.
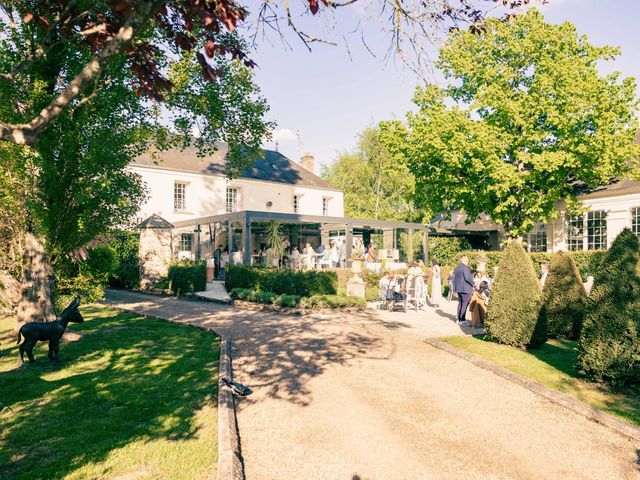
x,y
281,282
127,273
610,338
312,302
447,250
187,276
513,313
563,298
588,262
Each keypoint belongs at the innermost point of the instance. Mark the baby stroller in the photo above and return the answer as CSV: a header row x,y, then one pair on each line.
x,y
397,299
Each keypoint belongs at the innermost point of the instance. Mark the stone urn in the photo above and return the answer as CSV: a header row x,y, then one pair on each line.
x,y
355,285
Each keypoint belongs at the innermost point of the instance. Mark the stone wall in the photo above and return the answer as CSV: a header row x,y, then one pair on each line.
x,y
155,255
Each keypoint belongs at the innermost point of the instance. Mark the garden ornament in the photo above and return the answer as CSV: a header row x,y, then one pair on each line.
x,y
52,332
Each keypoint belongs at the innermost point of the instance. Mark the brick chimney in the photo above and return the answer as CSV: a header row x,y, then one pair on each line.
x,y
308,161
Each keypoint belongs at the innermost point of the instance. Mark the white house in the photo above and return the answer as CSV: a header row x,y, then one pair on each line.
x,y
183,186
608,210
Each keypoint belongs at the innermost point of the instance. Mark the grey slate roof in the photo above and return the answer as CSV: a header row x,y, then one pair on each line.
x,y
155,221
274,167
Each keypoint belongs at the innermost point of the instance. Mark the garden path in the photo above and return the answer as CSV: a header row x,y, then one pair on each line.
x,y
361,396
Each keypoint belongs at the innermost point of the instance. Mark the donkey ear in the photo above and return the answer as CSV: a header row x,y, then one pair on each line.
x,y
75,303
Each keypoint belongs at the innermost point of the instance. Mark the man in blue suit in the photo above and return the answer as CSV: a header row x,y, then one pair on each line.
x,y
463,286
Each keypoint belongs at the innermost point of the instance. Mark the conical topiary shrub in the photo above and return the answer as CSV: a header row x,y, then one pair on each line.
x,y
563,298
609,342
514,304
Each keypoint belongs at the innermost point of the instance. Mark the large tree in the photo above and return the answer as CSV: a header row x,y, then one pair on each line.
x,y
525,121
375,184
73,183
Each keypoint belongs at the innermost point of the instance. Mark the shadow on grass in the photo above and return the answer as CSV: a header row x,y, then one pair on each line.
x,y
560,354
126,379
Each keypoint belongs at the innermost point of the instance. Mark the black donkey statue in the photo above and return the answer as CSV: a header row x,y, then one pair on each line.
x,y
52,332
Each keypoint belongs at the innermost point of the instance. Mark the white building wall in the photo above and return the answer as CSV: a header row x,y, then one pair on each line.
x,y
206,195
617,208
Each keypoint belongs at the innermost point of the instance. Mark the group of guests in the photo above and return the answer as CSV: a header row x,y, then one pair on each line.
x,y
473,292
415,279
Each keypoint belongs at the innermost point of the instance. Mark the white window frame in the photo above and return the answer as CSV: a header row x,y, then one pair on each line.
x,y
576,241
296,203
325,206
586,237
180,198
596,240
534,236
231,204
184,241
634,214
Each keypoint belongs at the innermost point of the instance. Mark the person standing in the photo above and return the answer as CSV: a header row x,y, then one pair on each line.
x,y
217,261
436,284
544,269
463,285
335,255
342,254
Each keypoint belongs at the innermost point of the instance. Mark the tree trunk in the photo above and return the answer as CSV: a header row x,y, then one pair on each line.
x,y
35,304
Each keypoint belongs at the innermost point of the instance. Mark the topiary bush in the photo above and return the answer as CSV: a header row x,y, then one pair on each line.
x,y
514,304
610,342
563,298
187,276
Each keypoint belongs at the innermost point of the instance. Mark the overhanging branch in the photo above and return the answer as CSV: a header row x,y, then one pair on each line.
x,y
28,133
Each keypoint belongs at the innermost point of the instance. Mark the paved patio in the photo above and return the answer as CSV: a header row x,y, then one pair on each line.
x,y
362,396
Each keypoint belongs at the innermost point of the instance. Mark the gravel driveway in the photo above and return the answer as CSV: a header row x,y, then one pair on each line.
x,y
363,397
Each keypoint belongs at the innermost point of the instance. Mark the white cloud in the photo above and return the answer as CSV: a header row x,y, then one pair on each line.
x,y
283,134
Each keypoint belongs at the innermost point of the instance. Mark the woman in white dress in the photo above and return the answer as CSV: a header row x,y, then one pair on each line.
x,y
436,284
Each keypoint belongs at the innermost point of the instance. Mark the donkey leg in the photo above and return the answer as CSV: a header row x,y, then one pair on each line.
x,y
29,349
51,350
54,345
21,348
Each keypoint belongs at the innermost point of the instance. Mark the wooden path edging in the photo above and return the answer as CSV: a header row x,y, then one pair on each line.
x,y
230,465
587,411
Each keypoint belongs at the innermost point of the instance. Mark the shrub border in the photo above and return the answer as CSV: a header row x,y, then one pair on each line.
x,y
621,426
246,304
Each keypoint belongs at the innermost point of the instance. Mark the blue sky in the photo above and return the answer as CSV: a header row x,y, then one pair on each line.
x,y
331,94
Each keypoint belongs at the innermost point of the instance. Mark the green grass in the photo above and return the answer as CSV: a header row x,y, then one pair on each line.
x,y
134,398
553,365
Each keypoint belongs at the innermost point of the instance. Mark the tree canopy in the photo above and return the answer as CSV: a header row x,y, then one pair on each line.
x,y
149,35
375,184
526,120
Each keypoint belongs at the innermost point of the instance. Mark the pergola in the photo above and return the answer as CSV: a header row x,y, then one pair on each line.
x,y
241,230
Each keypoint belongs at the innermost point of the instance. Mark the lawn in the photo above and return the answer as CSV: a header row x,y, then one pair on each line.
x,y
553,365
134,398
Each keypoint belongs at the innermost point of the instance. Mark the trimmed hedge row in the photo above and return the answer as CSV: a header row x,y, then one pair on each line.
x,y
187,276
314,301
588,262
281,282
